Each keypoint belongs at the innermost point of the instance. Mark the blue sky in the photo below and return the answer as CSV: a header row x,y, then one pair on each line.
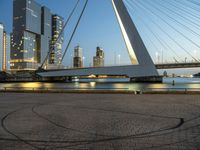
x,y
99,27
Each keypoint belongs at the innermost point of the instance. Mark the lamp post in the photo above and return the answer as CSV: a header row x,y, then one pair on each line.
x,y
83,61
157,57
195,54
119,59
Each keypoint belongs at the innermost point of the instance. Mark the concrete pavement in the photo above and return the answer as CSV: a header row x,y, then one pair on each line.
x,y
99,122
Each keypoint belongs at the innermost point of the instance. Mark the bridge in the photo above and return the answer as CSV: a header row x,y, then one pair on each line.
x,y
142,64
113,70
178,65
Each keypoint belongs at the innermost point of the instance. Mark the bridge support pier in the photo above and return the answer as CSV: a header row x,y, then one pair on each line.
x,y
152,79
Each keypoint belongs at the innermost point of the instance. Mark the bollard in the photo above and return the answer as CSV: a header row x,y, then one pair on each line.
x,y
173,83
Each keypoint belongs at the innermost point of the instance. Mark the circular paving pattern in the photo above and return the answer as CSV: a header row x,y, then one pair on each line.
x,y
100,122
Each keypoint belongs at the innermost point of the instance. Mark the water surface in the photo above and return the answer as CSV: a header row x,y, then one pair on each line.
x,y
110,84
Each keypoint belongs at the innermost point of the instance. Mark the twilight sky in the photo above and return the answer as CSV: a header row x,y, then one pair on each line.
x,y
178,36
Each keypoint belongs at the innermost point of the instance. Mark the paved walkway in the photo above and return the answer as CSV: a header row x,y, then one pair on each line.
x,y
99,122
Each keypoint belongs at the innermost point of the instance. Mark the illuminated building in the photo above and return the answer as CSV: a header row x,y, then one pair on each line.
x,y
1,45
26,39
7,62
32,35
56,54
78,57
98,60
4,49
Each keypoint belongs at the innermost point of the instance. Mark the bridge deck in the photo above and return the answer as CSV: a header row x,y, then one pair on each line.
x,y
177,65
129,70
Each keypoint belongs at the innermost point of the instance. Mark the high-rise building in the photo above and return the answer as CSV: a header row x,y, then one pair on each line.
x,y
57,25
98,60
4,49
26,36
7,52
46,30
32,35
78,57
1,45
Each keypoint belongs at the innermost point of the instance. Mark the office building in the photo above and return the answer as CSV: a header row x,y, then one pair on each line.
x,y
1,45
32,35
98,60
26,36
78,57
7,61
46,33
56,54
4,49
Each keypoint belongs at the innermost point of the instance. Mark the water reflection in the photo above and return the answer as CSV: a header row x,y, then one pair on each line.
x,y
93,84
180,83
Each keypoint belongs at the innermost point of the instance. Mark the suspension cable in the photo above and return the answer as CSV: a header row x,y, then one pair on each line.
x,y
157,37
184,10
191,41
188,6
194,2
182,16
176,21
164,30
60,34
74,31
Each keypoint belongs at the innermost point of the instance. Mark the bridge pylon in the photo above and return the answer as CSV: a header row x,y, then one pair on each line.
x,y
137,51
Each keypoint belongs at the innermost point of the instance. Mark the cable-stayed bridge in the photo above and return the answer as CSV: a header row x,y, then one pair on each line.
x,y
142,64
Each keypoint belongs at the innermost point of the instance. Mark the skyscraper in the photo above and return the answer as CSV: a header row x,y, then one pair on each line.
x,y
7,52
26,36
1,45
46,30
98,60
78,57
32,34
57,25
4,49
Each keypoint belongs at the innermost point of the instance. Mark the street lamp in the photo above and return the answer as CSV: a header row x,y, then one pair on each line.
x,y
195,53
83,60
157,57
71,61
119,57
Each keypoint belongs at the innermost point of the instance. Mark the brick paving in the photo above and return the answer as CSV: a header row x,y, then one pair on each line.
x,y
99,122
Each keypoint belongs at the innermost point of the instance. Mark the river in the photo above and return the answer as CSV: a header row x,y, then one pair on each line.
x,y
110,84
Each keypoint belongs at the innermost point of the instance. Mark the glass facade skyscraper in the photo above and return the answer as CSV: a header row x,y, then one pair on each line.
x,y
7,52
4,49
1,45
46,30
57,25
26,36
32,34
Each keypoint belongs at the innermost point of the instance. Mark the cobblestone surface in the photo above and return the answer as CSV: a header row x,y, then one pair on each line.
x,y
99,122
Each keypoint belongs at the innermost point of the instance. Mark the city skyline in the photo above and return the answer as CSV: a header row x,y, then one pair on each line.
x,y
35,32
103,31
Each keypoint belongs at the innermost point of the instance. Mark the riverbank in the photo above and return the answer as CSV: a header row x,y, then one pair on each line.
x,y
99,91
